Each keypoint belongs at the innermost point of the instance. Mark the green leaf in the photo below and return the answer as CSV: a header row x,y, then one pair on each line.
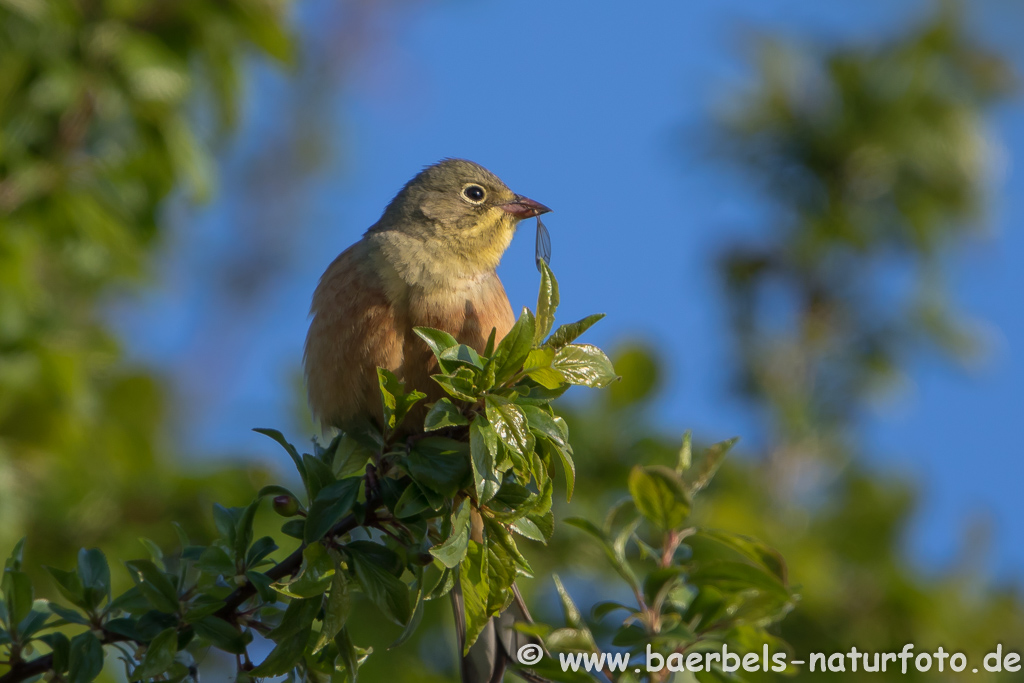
x,y
439,464
736,576
474,581
573,617
350,456
483,448
159,655
705,464
460,356
18,594
395,399
660,495
509,423
453,550
332,503
290,449
314,575
567,334
584,364
17,556
243,530
285,655
685,452
439,341
216,561
221,635
154,585
417,612
70,586
389,594
297,618
336,611
85,658
94,572
68,614
443,414
547,303
514,348
461,384
556,432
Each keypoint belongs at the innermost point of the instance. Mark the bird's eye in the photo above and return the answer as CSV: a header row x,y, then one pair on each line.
x,y
474,193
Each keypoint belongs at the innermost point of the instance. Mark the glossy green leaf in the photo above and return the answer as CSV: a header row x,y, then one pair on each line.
x,y
547,303
566,334
453,550
443,414
584,364
509,424
514,347
439,341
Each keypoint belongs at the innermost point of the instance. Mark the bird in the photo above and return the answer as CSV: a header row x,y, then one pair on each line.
x,y
430,260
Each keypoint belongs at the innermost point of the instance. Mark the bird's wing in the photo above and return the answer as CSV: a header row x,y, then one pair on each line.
x,y
353,332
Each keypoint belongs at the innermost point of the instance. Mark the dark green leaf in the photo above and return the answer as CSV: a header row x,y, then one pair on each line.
x,y
70,586
331,504
221,635
18,594
439,464
154,585
389,594
85,658
94,572
336,611
159,655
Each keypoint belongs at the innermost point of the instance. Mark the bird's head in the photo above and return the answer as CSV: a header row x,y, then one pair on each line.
x,y
461,207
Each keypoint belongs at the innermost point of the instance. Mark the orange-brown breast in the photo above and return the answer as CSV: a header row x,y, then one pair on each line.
x,y
359,324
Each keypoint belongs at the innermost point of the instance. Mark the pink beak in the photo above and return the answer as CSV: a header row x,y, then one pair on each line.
x,y
522,207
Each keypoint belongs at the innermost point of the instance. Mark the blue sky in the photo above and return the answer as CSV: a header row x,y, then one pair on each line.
x,y
599,110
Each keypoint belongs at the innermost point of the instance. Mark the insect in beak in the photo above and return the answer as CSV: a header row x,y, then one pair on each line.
x,y
523,207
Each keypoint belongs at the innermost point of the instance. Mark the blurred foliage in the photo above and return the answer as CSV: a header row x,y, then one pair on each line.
x,y
98,104
877,160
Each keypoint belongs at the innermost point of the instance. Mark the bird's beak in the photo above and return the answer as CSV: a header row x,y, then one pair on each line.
x,y
523,207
